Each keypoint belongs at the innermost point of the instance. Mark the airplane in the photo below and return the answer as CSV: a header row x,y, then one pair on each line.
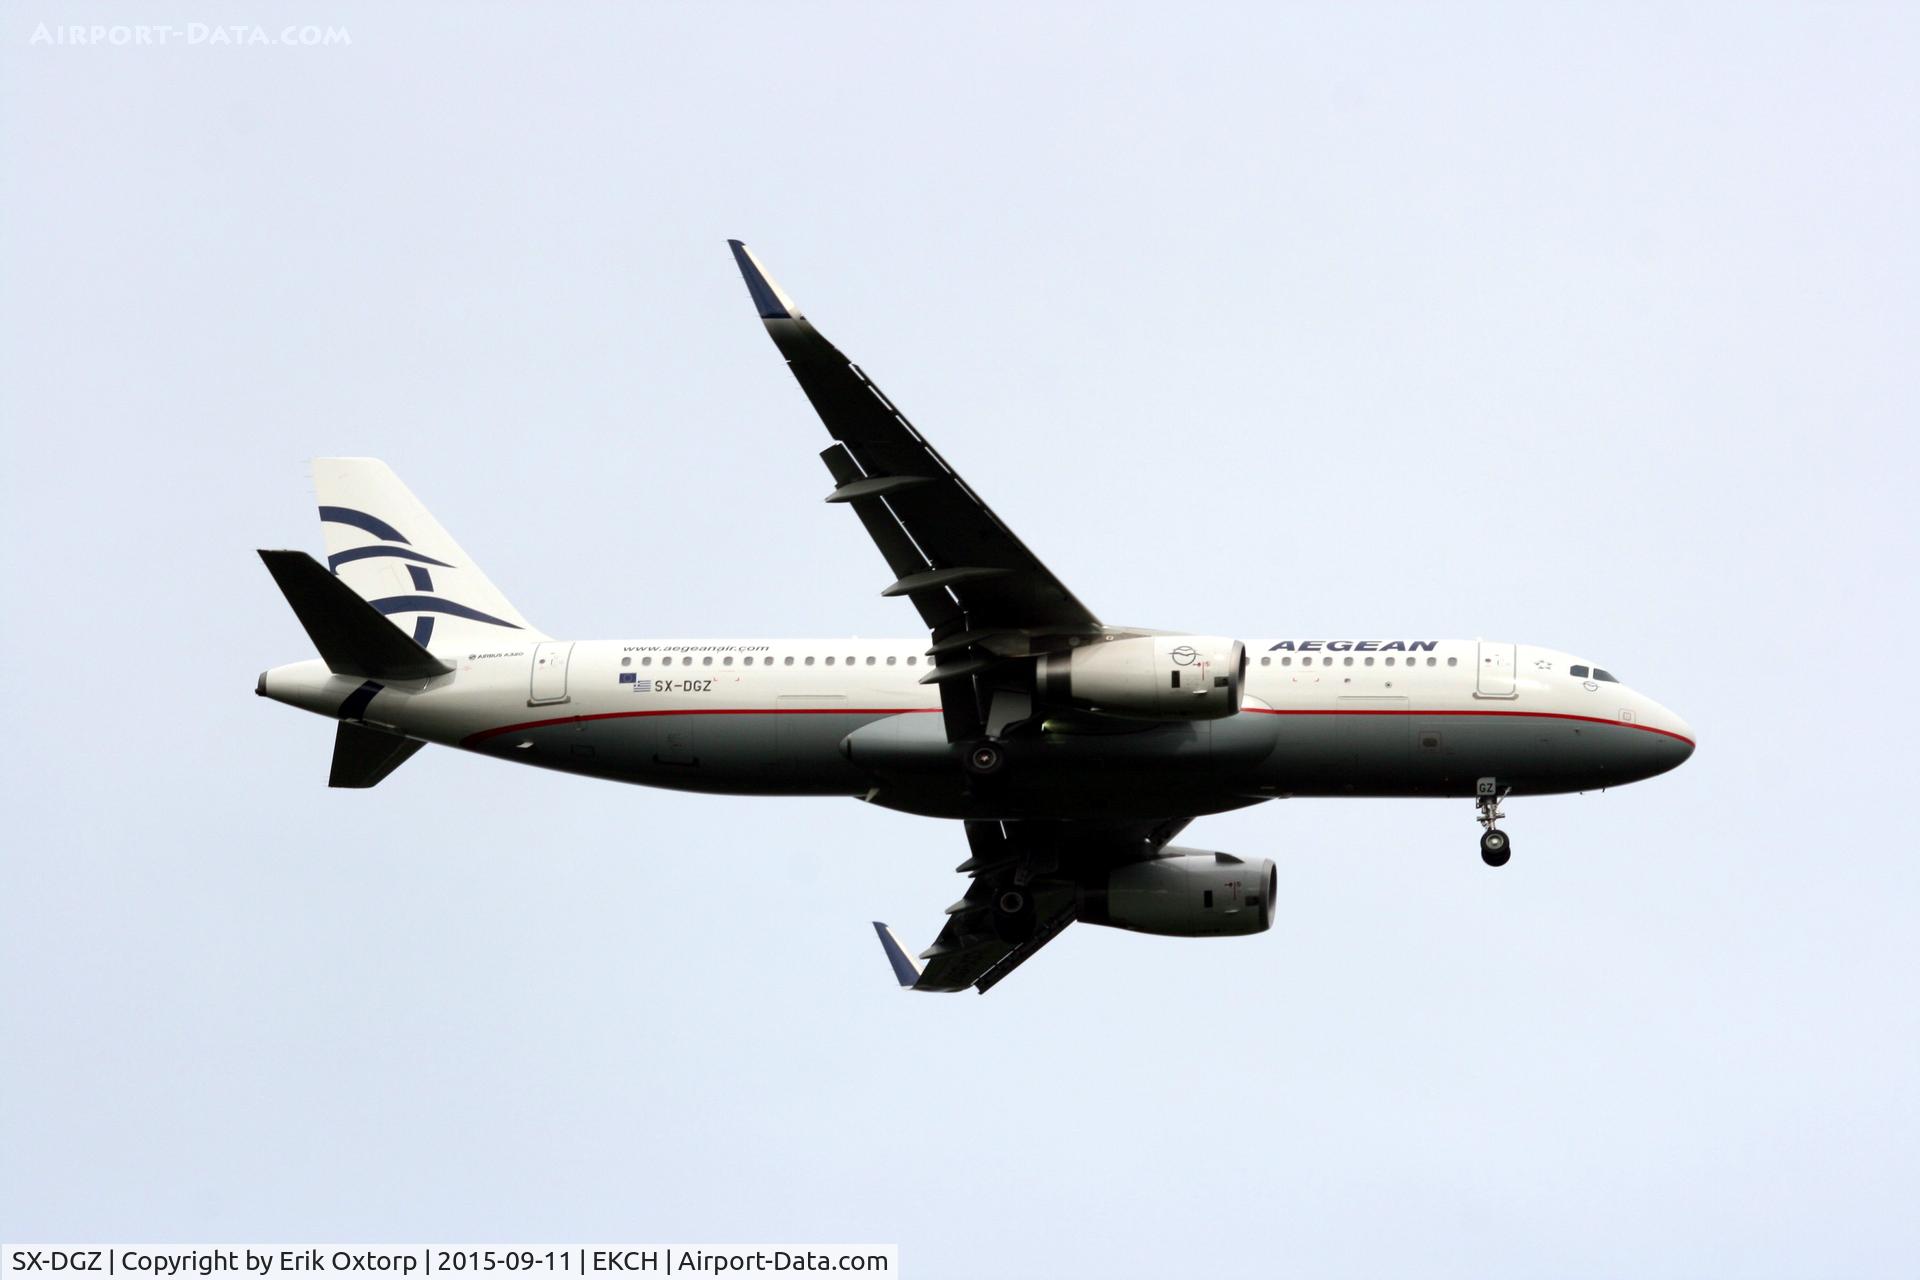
x,y
1073,750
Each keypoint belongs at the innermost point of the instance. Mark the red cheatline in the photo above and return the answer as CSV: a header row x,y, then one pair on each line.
x,y
484,734
1534,715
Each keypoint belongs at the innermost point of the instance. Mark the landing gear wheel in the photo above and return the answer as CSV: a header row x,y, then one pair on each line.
x,y
1495,847
985,757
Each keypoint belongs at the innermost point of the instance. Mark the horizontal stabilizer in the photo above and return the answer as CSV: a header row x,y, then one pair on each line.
x,y
353,638
904,968
362,757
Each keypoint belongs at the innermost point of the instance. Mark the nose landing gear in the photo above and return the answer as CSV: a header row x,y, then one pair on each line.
x,y
1495,846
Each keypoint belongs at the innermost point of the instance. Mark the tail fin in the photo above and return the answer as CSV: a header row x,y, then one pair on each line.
x,y
382,543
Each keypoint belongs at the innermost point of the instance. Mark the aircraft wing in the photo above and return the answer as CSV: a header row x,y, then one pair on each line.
x,y
979,589
981,943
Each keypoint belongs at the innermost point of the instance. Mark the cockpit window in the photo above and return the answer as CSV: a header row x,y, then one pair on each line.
x,y
1578,673
1598,674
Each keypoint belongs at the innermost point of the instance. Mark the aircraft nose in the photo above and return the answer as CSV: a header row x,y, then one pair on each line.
x,y
1684,737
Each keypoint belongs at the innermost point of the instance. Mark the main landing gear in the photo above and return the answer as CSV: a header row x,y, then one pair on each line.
x,y
1495,846
985,757
1009,709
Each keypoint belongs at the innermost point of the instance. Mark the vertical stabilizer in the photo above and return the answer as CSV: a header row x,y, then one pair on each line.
x,y
385,545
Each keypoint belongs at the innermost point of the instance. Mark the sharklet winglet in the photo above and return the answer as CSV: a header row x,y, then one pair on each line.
x,y
904,968
769,299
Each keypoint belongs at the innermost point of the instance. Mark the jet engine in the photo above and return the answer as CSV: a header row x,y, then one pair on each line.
x,y
1149,677
1184,893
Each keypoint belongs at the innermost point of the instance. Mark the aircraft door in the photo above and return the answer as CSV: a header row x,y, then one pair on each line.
x,y
1495,678
674,745
549,683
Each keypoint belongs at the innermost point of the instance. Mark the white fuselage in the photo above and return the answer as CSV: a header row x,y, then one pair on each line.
x,y
779,717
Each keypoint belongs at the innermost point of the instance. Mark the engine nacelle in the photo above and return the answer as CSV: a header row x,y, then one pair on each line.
x,y
1149,677
1184,893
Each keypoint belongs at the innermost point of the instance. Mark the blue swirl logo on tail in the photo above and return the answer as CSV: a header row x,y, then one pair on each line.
x,y
417,569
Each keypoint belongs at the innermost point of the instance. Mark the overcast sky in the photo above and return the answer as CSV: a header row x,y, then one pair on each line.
x,y
1592,328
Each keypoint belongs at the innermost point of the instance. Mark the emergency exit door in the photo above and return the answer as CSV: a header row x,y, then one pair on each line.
x,y
549,673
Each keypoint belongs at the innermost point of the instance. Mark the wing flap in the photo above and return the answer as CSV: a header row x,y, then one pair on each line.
x,y
980,944
969,953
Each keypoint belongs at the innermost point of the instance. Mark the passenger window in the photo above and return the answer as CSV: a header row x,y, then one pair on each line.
x,y
913,659
891,659
1389,659
1286,662
1453,662
707,661
829,659
627,661
647,661
727,661
1348,661
789,661
870,659
1266,662
1369,661
1429,661
810,659
687,661
1598,674
1578,673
